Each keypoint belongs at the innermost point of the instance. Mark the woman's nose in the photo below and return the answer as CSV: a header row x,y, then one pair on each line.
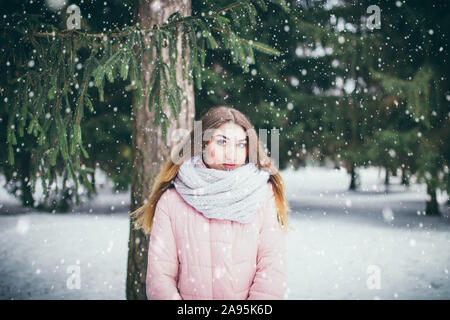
x,y
230,154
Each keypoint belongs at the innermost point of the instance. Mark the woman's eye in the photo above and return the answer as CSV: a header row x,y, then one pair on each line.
x,y
242,145
221,142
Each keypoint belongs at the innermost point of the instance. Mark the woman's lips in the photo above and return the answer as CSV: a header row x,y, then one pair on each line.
x,y
229,166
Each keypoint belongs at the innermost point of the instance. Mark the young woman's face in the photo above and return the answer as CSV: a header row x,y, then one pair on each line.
x,y
227,148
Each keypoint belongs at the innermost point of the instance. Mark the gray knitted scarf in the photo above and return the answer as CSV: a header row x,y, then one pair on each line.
x,y
226,195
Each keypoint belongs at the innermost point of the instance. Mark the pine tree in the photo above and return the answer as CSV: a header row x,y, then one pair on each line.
x,y
392,86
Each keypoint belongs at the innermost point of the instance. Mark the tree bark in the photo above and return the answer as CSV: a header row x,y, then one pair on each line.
x,y
150,151
405,178
432,206
27,195
353,178
386,177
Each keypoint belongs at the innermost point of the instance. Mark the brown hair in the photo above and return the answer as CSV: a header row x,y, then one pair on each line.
x,y
211,120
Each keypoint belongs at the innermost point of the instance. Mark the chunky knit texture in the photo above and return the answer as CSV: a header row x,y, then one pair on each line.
x,y
225,195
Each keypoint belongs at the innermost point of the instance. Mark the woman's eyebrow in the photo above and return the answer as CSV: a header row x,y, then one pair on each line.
x,y
228,139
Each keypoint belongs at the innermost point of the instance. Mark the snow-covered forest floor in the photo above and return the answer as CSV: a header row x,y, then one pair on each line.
x,y
367,244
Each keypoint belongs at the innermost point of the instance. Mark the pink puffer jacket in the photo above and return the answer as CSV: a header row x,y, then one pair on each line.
x,y
193,257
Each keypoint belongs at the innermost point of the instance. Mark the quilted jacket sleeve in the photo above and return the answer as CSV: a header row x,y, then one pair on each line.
x,y
162,266
269,282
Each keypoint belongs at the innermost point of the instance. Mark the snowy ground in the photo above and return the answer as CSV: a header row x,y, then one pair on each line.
x,y
344,245
344,240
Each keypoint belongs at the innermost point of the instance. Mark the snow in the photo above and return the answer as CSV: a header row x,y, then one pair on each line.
x,y
341,237
39,250
367,244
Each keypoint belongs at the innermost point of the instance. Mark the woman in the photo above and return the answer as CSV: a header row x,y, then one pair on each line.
x,y
217,218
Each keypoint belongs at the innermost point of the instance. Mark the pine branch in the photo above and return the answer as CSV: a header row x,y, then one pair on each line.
x,y
56,120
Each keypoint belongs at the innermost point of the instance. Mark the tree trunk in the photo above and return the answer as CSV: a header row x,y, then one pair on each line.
x,y
149,149
353,178
386,177
405,177
432,206
27,195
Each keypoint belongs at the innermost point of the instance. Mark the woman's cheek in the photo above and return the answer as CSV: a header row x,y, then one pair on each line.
x,y
242,156
219,156
215,156
212,156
